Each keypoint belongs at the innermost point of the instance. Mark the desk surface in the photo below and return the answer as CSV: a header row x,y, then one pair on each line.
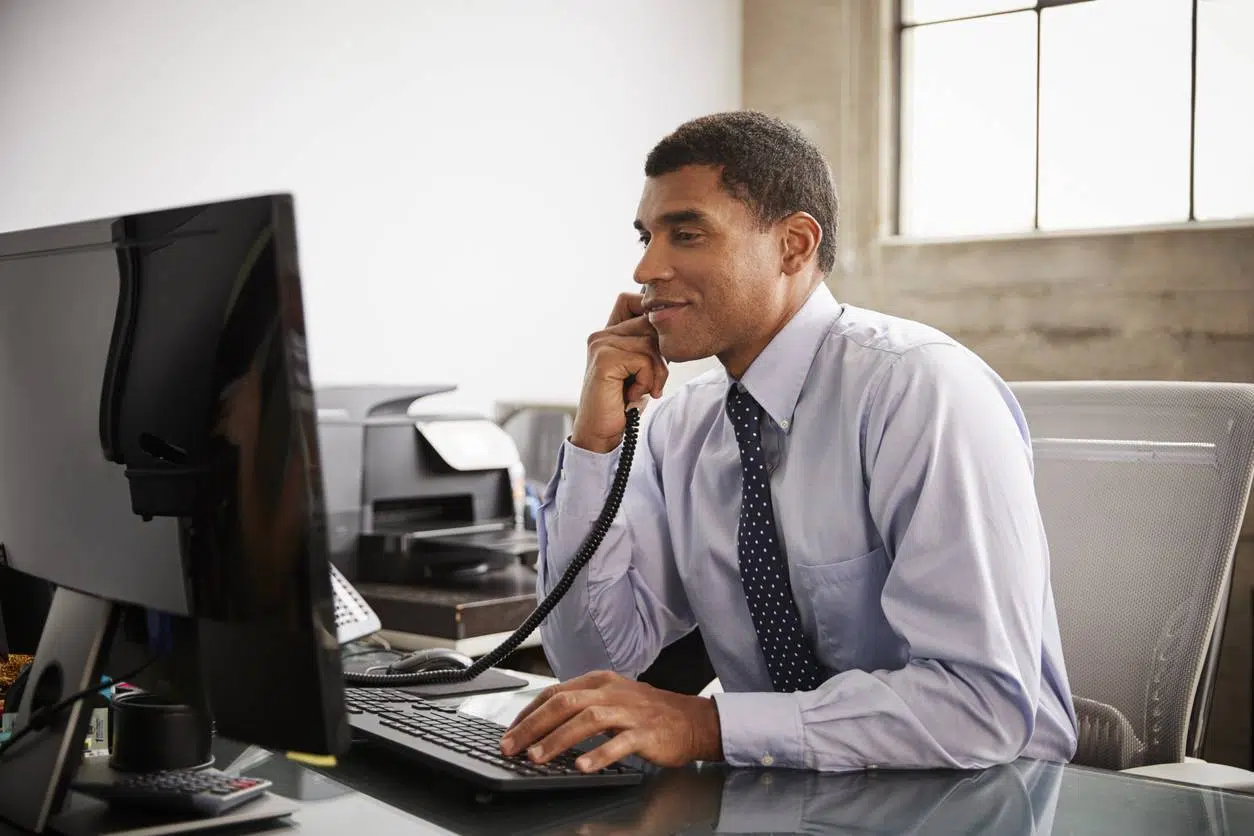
x,y
455,613
372,792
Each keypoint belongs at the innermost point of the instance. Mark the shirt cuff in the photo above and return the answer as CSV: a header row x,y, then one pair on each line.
x,y
581,481
761,729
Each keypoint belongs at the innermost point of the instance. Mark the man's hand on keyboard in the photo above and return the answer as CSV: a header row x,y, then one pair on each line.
x,y
662,727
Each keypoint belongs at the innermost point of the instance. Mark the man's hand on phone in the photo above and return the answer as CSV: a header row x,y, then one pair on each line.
x,y
625,350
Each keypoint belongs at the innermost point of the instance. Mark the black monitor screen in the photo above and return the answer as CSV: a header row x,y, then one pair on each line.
x,y
157,429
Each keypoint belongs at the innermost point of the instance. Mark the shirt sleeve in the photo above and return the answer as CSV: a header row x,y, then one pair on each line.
x,y
628,603
947,461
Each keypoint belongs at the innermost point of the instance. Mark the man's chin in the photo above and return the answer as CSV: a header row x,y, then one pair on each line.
x,y
678,353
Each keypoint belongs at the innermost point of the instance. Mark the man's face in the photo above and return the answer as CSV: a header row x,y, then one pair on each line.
x,y
706,253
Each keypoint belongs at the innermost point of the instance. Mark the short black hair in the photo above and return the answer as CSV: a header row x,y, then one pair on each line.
x,y
766,163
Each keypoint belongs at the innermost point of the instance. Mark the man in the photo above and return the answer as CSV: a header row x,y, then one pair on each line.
x,y
845,508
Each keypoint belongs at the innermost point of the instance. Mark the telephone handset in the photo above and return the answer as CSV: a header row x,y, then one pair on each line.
x,y
586,550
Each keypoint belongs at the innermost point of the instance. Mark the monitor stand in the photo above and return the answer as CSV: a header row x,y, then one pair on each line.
x,y
36,772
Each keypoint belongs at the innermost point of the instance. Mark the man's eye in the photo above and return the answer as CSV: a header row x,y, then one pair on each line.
x,y
684,236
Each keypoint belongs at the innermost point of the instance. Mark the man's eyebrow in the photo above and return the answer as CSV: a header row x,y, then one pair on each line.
x,y
679,216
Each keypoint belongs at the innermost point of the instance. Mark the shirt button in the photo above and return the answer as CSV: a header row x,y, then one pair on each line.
x,y
767,760
783,425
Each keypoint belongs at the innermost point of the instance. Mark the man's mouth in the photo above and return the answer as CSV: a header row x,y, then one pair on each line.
x,y
661,310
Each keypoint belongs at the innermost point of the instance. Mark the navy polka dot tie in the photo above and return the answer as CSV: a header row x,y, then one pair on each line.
x,y
763,570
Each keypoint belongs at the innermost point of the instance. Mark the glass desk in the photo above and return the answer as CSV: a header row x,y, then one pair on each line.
x,y
373,792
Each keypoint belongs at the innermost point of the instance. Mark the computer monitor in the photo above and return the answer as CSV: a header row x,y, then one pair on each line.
x,y
24,603
160,456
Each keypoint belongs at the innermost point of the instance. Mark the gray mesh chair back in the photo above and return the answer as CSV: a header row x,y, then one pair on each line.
x,y
538,431
1142,488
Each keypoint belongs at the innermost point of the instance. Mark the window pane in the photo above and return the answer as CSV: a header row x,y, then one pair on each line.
x,y
1115,113
968,134
926,11
1224,162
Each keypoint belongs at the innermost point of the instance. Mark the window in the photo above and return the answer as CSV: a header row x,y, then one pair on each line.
x,y
1074,114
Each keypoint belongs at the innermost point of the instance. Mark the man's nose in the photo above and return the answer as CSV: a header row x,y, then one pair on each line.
x,y
653,266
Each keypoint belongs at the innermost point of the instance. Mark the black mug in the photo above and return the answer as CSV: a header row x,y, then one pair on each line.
x,y
149,734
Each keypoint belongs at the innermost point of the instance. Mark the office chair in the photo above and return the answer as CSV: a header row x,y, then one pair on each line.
x,y
1142,487
538,431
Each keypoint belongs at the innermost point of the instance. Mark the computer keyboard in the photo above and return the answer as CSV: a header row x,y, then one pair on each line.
x,y
440,737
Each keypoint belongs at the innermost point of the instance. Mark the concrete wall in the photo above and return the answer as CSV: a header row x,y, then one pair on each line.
x,y
1171,303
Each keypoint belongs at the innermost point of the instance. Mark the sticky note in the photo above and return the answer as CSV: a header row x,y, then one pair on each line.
x,y
312,760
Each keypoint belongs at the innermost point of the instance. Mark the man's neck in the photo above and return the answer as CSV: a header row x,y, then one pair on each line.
x,y
738,360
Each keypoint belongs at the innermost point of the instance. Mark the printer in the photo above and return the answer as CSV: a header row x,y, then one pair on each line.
x,y
414,497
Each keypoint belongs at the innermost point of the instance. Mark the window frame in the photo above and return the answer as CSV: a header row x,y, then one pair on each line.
x,y
891,218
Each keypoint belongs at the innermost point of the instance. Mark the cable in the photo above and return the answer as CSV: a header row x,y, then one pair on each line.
x,y
590,544
41,718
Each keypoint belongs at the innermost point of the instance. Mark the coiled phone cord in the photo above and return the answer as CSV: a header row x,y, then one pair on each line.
x,y
586,550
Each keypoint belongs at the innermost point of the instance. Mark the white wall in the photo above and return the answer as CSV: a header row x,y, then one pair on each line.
x,y
465,172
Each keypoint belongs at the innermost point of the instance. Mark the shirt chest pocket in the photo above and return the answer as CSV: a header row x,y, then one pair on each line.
x,y
845,595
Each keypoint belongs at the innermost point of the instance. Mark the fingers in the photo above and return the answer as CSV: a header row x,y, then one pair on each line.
x,y
587,683
587,680
619,357
551,714
637,326
625,366
652,384
646,378
627,326
589,722
613,750
540,699
642,349
642,345
627,306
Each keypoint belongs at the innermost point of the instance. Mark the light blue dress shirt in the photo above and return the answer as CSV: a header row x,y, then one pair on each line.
x,y
901,473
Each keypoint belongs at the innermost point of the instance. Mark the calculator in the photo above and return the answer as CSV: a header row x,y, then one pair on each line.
x,y
200,792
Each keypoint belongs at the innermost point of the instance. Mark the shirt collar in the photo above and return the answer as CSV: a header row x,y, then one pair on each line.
x,y
776,376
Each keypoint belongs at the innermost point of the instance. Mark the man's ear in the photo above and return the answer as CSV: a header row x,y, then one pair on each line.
x,y
799,241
